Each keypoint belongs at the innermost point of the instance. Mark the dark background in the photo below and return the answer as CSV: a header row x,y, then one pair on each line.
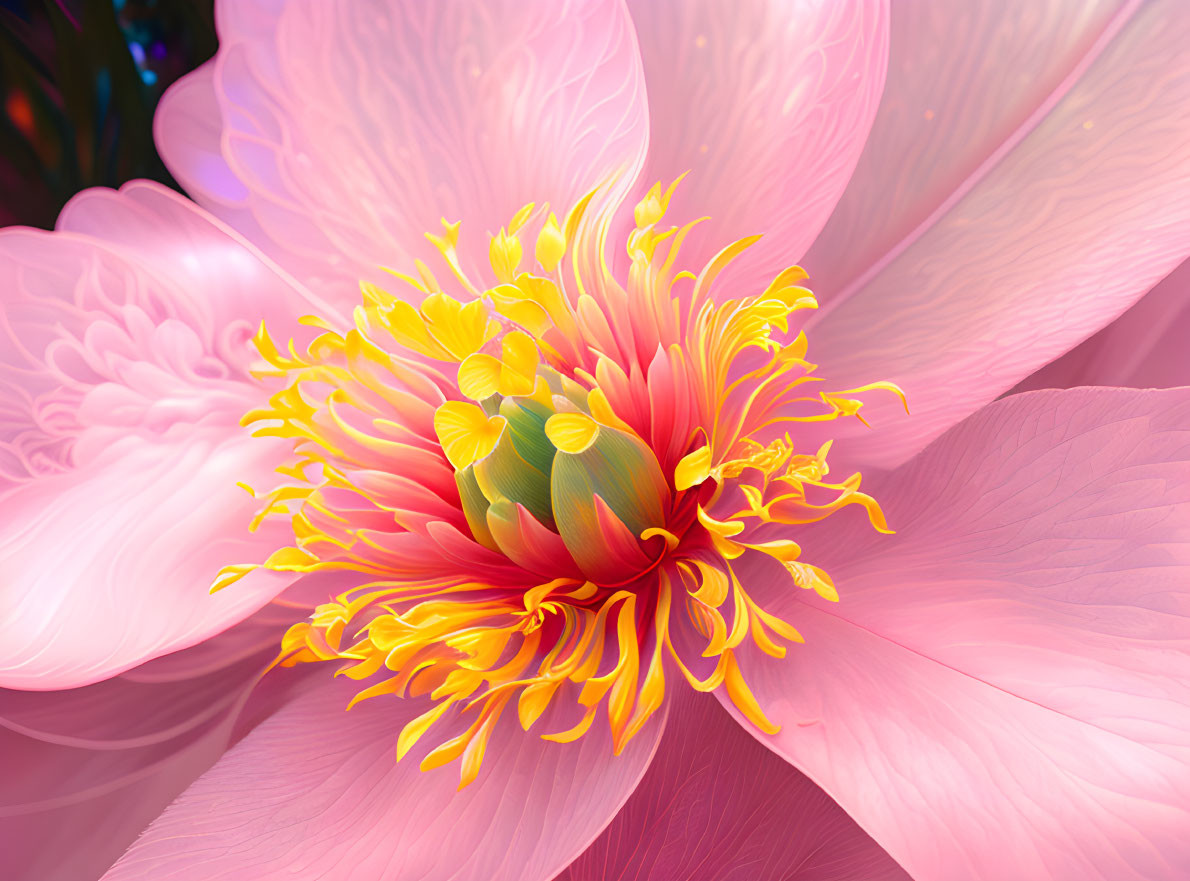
x,y
79,80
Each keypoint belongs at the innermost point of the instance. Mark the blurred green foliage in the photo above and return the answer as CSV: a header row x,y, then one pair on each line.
x,y
79,80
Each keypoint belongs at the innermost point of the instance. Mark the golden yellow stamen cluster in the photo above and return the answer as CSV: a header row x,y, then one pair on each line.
x,y
522,521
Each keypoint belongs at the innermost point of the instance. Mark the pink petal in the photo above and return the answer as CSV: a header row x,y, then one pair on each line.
x,y
351,129
109,564
767,105
86,769
1074,201
716,806
122,381
169,234
317,792
1004,689
962,82
259,633
1143,348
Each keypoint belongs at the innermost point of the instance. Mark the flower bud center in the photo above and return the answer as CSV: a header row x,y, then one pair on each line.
x,y
543,492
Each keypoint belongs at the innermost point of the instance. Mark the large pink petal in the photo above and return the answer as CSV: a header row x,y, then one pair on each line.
x,y
346,130
716,806
1074,202
261,632
83,771
317,792
1003,690
1143,348
963,81
767,105
216,266
121,388
110,563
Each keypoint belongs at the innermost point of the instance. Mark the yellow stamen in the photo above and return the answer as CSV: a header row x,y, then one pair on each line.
x,y
466,432
571,432
505,255
551,244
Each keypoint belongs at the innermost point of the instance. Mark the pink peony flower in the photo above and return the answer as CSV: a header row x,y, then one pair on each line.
x,y
572,504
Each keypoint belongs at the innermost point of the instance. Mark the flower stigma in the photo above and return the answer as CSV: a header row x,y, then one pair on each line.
x,y
543,486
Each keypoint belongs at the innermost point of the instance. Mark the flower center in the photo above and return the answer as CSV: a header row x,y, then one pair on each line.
x,y
542,489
